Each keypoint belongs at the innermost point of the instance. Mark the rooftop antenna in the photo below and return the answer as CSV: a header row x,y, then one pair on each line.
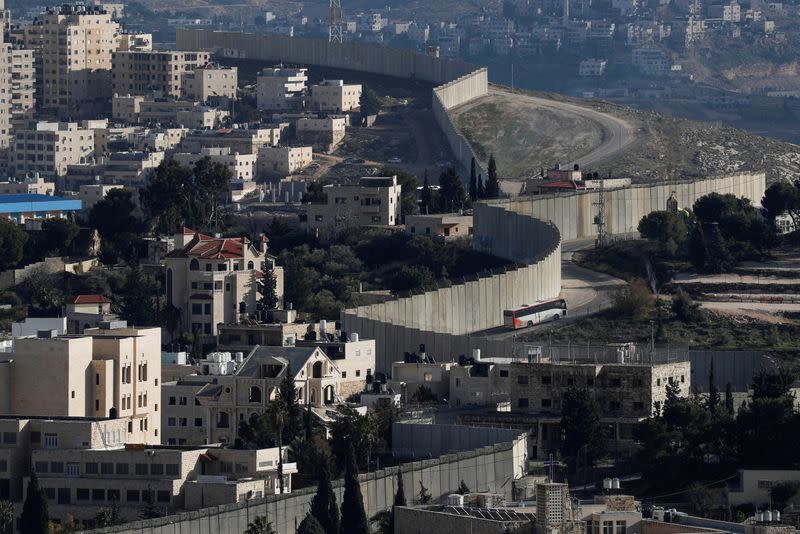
x,y
335,21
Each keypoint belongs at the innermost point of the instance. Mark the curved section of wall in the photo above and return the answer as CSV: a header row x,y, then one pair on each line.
x,y
444,319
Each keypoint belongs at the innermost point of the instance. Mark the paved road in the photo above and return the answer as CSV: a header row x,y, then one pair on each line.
x,y
587,292
620,133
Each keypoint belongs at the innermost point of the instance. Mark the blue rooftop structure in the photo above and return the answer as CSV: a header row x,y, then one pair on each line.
x,y
35,206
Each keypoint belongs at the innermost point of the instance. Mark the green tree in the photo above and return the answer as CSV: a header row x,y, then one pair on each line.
x,y
729,409
713,391
287,393
581,431
369,102
463,489
354,519
109,516
6,517
685,308
58,235
176,195
310,525
119,224
779,198
634,300
323,506
349,429
137,300
492,182
35,517
424,496
473,180
268,291
259,525
451,192
427,204
12,243
666,228
782,492
481,187
400,494
149,509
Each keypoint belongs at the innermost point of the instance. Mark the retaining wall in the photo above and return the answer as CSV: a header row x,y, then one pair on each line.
x,y
488,469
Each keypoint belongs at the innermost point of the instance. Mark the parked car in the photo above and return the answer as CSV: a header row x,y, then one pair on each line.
x,y
394,159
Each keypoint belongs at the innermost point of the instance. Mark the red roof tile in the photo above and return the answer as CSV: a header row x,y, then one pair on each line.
x,y
91,299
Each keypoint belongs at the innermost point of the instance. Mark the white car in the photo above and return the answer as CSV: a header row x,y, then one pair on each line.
x,y
394,159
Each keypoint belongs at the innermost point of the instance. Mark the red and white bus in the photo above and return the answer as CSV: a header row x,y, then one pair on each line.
x,y
529,315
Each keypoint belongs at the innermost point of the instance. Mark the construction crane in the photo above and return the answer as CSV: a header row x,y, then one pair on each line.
x,y
335,21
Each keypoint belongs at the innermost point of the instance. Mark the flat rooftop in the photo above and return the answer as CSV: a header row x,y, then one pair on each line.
x,y
31,203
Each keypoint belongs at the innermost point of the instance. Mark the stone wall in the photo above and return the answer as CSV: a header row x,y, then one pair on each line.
x,y
488,469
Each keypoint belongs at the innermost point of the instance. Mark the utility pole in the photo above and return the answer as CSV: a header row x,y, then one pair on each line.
x,y
335,33
600,218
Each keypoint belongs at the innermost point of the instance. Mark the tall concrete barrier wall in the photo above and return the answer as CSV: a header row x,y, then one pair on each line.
x,y
574,213
448,96
458,82
443,319
486,469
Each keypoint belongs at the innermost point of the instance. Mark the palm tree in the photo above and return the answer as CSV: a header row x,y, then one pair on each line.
x,y
260,525
6,516
277,413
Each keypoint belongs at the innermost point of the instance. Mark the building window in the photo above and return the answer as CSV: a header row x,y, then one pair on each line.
x,y
141,469
106,468
546,379
90,468
255,394
547,403
122,469
73,469
157,469
56,467
522,379
132,496
171,421
163,496
64,496
50,441
194,265
522,403
616,382
173,469
82,494
41,467
503,373
113,495
98,494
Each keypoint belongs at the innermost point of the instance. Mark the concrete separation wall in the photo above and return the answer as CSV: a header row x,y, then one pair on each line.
x,y
458,82
574,213
419,440
443,318
487,469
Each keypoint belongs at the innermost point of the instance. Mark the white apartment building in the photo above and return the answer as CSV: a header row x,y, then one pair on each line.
x,y
210,82
91,194
592,67
371,201
214,280
283,160
326,132
106,372
138,42
130,169
242,166
159,72
651,61
281,89
139,109
50,148
23,83
76,44
31,185
241,140
335,96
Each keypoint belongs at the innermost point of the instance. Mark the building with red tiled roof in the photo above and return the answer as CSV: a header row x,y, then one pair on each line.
x,y
215,280
88,311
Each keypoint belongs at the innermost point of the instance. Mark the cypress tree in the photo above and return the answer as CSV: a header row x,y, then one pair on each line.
x,y
473,181
268,292
463,489
729,398
713,392
400,496
481,188
310,525
35,518
323,506
492,183
287,392
354,518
